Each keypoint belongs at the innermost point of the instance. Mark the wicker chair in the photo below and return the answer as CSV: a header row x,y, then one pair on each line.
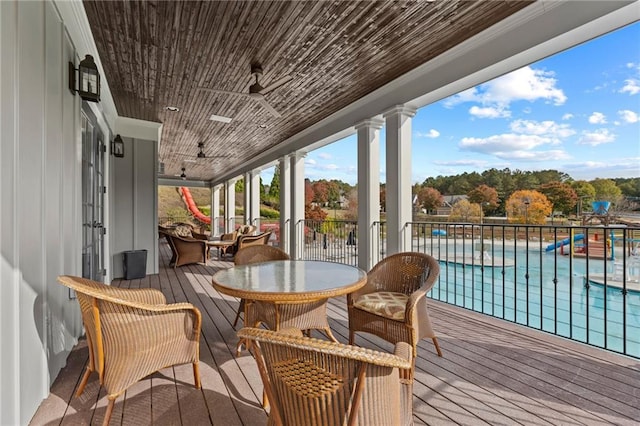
x,y
393,303
314,382
256,254
132,333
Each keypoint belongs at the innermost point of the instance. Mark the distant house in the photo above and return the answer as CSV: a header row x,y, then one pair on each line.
x,y
447,203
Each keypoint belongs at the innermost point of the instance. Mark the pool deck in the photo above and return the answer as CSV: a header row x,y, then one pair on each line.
x,y
492,372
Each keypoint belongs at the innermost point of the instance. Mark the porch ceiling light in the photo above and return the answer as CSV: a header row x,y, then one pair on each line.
x,y
183,176
87,81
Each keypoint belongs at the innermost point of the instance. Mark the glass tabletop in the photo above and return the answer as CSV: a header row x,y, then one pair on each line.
x,y
289,277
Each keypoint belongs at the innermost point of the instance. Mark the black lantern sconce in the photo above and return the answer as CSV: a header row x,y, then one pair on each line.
x,y
117,147
88,81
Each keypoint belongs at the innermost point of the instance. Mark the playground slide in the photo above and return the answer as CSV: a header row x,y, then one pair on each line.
x,y
191,205
564,242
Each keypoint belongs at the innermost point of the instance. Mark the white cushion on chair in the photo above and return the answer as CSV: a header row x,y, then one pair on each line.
x,y
387,304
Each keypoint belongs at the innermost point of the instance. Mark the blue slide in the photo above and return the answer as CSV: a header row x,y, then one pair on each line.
x,y
564,242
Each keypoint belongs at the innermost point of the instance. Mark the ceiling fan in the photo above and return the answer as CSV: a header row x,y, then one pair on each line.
x,y
201,155
256,91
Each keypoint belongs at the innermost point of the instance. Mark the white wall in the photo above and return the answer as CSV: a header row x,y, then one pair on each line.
x,y
40,223
134,202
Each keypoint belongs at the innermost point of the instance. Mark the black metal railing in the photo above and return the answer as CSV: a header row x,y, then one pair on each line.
x,y
579,282
331,240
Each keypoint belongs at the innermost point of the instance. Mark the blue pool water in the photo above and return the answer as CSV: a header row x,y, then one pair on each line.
x,y
543,290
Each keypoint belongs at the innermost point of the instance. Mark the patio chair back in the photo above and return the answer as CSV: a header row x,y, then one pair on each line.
x,y
316,382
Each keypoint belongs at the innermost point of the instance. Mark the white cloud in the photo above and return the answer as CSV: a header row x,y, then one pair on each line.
x,y
511,146
597,118
628,116
310,161
631,86
330,167
325,155
525,84
489,112
472,163
597,137
543,128
567,116
432,133
617,167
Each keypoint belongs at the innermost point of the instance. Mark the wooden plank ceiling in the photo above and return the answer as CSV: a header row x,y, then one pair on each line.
x,y
162,53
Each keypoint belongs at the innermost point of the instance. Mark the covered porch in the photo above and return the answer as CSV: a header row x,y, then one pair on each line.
x,y
492,371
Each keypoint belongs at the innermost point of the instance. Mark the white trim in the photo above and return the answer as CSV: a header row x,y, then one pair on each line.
x,y
138,129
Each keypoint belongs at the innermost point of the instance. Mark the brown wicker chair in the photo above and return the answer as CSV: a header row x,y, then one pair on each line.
x,y
256,254
393,303
314,382
132,333
252,240
188,250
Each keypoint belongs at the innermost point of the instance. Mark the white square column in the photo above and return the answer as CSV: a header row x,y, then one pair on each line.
x,y
247,198
297,206
368,192
398,189
284,167
230,205
254,199
215,210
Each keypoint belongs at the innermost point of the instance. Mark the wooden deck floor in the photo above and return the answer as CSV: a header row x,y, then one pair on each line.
x,y
492,372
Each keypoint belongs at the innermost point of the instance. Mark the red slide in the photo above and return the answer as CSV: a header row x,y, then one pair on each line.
x,y
191,205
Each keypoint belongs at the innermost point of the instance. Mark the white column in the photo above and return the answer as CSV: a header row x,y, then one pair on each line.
x,y
297,206
215,210
398,150
285,203
255,199
368,192
230,206
247,198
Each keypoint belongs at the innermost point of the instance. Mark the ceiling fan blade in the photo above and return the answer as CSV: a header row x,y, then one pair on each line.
x,y
224,92
276,84
269,108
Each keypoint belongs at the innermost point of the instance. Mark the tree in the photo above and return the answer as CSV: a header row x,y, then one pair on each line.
x,y
308,192
383,197
320,192
464,211
586,194
430,198
606,190
526,206
485,196
274,188
561,195
314,213
352,205
239,186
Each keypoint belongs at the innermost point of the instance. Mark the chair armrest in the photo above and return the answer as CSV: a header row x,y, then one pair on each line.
x,y
199,236
150,296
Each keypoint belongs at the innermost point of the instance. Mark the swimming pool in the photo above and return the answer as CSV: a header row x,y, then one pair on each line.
x,y
524,284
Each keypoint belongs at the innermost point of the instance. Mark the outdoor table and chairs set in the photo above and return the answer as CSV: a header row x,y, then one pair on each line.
x,y
306,380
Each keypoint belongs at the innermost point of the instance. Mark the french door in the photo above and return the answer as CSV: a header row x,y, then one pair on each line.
x,y
93,189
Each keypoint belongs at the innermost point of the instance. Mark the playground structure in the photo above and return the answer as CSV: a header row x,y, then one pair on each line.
x,y
187,198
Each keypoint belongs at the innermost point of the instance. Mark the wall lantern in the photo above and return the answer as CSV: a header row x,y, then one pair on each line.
x,y
88,81
117,147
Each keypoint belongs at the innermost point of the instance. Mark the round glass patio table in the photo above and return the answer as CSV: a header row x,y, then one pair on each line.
x,y
289,293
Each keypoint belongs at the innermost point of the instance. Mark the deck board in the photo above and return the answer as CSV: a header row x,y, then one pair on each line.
x,y
492,371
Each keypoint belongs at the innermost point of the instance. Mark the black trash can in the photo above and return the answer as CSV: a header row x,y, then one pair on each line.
x,y
135,264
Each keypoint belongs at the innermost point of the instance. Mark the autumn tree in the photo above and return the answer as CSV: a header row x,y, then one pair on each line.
x,y
430,198
308,192
383,197
320,192
561,195
526,206
485,196
352,205
314,213
464,211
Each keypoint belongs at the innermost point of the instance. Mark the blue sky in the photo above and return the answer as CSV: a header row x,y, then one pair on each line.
x,y
577,111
